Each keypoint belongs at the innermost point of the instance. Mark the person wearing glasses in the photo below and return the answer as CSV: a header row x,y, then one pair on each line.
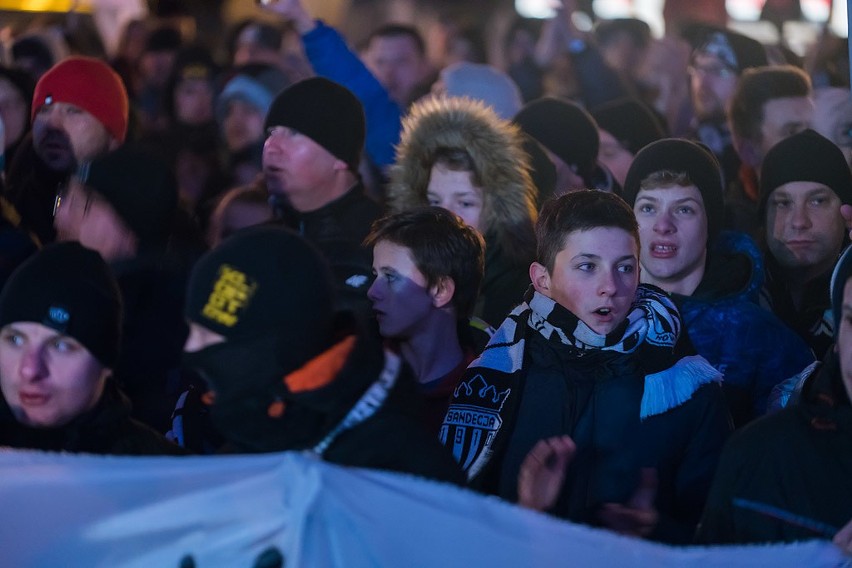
x,y
719,57
79,111
123,205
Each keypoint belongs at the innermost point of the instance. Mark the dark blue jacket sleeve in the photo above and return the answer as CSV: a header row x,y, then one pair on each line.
x,y
331,58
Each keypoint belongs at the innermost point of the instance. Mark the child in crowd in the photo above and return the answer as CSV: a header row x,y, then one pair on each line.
x,y
428,265
590,365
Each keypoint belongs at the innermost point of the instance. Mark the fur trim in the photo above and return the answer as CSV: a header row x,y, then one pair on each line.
x,y
674,386
495,146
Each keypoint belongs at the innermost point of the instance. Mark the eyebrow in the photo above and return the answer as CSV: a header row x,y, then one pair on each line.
x,y
678,201
808,193
457,193
591,256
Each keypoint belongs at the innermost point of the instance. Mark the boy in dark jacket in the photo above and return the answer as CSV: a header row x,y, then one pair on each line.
x,y
428,266
590,355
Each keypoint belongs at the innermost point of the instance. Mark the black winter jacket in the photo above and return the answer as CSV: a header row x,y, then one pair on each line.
x,y
105,429
596,400
338,230
787,476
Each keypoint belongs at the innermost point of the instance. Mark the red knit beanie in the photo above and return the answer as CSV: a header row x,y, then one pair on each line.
x,y
89,84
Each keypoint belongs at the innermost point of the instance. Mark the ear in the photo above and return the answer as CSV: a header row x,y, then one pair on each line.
x,y
540,278
442,292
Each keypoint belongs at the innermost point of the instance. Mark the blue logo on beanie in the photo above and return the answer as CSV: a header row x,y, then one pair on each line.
x,y
57,318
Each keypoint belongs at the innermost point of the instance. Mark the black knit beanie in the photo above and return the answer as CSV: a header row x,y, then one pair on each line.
x,y
69,288
565,129
806,156
630,122
140,188
264,280
679,155
327,113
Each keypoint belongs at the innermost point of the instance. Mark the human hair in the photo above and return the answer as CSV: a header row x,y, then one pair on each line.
x,y
581,210
251,194
441,245
665,178
756,87
456,160
398,30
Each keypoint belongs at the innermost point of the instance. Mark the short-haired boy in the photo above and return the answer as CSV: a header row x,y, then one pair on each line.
x,y
591,355
428,265
675,189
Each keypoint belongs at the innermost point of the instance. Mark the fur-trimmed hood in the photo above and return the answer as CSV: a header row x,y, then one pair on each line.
x,y
495,147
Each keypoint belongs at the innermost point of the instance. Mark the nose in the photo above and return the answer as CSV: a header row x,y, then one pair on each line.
x,y
33,366
606,284
374,291
663,224
800,218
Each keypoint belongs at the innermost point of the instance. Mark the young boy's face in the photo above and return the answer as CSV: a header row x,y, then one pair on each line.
x,y
399,293
595,276
673,230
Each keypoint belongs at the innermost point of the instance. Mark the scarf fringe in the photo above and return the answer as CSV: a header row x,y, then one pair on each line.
x,y
674,386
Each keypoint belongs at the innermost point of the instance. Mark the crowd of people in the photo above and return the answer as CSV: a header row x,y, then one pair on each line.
x,y
609,282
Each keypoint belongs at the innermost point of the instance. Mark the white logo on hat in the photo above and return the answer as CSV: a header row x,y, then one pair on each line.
x,y
356,280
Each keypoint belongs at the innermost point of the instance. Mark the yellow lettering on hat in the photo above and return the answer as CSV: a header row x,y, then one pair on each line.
x,y
231,293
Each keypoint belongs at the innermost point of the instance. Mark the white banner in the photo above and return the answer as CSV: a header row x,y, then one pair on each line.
x,y
71,510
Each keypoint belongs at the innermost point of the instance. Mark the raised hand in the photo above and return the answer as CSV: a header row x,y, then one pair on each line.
x,y
543,472
637,517
292,10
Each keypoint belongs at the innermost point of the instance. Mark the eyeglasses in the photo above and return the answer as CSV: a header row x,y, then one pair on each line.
x,y
70,200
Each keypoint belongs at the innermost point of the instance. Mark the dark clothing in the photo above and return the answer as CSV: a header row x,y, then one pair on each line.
x,y
437,394
812,320
599,83
153,334
798,461
15,244
503,284
391,438
105,429
741,206
338,230
682,444
716,135
31,188
539,377
749,345
354,404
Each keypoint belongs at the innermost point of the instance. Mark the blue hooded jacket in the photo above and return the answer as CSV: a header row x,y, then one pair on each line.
x,y
751,347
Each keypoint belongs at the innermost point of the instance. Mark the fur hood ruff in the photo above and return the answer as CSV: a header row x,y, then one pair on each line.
x,y
495,147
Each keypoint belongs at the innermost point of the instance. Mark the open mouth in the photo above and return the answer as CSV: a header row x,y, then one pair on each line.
x,y
603,311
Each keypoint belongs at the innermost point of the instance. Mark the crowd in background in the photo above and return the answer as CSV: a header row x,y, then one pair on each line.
x,y
604,280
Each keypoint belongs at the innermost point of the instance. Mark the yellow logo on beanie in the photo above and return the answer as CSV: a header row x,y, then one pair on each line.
x,y
231,293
